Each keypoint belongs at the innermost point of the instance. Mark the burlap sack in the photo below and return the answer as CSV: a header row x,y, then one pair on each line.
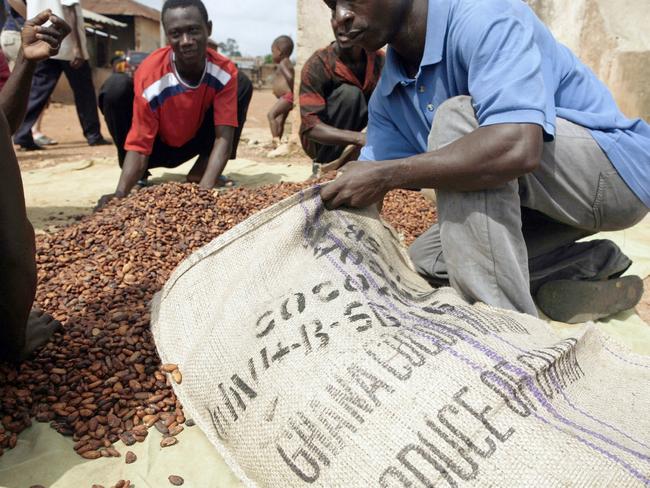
x,y
312,354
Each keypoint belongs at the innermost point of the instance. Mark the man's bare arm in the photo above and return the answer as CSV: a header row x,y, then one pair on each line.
x,y
15,95
486,158
19,6
17,251
133,169
329,135
18,336
71,16
287,70
219,156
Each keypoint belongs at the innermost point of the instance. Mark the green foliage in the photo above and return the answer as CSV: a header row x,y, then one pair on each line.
x,y
229,48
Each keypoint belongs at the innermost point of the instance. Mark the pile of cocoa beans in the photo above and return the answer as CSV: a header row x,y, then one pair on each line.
x,y
100,379
409,212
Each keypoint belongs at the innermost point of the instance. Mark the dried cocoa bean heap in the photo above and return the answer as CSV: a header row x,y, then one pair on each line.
x,y
409,212
99,379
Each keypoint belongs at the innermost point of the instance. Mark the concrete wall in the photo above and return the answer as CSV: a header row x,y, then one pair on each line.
x,y
314,32
612,38
147,34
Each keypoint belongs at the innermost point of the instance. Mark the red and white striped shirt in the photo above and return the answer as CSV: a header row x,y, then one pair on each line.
x,y
167,106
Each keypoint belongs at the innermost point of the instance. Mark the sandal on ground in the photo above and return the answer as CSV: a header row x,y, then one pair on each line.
x,y
43,140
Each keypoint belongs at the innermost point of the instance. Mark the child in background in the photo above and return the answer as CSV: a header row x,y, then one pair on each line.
x,y
281,49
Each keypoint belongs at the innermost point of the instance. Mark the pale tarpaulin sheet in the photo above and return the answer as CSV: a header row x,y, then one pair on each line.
x,y
312,354
44,457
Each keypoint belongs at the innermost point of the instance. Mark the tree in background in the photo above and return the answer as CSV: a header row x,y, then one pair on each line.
x,y
268,59
229,48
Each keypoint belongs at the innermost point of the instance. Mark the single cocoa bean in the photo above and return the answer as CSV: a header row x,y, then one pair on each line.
x,y
113,452
127,438
161,427
130,457
177,376
168,441
168,367
91,455
176,430
176,480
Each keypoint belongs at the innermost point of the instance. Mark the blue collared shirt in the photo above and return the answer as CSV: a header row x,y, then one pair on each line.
x,y
500,53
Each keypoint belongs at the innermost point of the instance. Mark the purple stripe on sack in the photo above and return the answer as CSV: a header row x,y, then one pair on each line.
x,y
495,356
568,401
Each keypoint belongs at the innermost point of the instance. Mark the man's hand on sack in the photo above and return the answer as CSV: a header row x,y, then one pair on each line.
x,y
40,42
358,184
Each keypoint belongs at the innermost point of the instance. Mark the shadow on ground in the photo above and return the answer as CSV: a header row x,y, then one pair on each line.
x,y
247,180
43,218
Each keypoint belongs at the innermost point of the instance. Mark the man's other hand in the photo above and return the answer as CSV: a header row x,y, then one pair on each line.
x,y
40,42
103,201
359,184
78,59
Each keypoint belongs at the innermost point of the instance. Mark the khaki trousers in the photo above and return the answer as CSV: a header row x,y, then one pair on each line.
x,y
496,246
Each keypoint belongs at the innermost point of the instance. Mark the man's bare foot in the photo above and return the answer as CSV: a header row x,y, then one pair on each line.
x,y
281,150
40,328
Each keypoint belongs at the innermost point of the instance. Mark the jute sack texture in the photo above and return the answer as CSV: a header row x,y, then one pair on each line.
x,y
313,355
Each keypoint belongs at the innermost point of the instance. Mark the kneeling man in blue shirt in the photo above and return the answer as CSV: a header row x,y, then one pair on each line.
x,y
524,146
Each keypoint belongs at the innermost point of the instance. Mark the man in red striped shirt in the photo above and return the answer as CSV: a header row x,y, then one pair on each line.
x,y
184,99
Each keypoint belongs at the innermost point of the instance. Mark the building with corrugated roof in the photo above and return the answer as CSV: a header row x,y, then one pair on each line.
x,y
142,31
113,26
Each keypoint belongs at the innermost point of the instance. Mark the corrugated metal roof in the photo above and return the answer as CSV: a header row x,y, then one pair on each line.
x,y
121,7
101,19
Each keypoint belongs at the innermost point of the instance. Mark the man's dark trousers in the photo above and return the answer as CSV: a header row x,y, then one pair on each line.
x,y
346,109
46,76
116,103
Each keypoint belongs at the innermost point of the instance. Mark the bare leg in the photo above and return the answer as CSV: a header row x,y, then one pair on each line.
x,y
277,116
279,121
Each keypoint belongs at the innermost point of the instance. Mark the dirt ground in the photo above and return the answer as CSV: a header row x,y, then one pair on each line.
x,y
89,172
